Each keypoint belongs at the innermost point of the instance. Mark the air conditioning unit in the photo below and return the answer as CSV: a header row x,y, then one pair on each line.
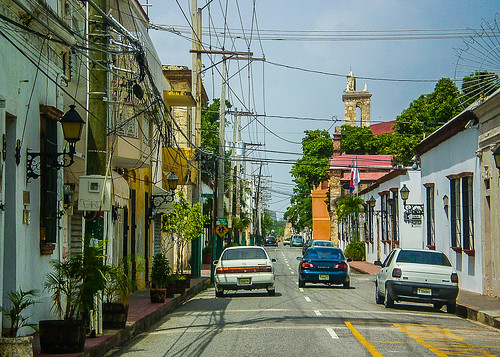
x,y
94,193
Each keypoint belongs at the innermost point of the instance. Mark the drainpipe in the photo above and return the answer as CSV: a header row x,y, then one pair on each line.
x,y
2,200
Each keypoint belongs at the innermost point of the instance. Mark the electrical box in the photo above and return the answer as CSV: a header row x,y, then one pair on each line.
x,y
95,193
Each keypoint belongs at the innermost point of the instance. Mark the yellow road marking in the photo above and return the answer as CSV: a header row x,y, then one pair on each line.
x,y
373,351
441,341
422,342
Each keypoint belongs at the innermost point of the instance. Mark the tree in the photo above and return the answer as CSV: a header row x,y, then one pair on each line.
x,y
478,84
309,171
184,223
347,209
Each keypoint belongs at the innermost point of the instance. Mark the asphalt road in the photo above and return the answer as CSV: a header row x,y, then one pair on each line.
x,y
318,320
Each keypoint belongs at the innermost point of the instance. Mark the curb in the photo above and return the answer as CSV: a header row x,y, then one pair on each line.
x,y
133,329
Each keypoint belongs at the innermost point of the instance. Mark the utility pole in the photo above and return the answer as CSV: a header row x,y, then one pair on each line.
x,y
196,123
96,123
257,215
231,176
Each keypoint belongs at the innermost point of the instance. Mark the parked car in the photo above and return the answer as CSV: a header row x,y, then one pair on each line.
x,y
322,243
271,241
306,245
244,268
326,265
417,275
297,241
287,240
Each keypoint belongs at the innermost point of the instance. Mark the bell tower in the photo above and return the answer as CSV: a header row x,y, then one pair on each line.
x,y
354,99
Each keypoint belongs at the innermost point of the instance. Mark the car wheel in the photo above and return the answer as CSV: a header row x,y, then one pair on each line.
x,y
347,284
302,283
388,302
451,307
379,299
219,293
438,305
271,292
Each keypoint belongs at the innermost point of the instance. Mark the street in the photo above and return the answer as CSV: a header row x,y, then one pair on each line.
x,y
318,320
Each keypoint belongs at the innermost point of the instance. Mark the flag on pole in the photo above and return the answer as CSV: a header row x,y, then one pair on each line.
x,y
351,182
356,179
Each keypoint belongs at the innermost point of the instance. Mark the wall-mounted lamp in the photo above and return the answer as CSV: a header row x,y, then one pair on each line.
x,y
72,124
496,156
413,212
371,202
168,196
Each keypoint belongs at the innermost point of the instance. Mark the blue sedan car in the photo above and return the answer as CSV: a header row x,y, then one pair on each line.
x,y
326,265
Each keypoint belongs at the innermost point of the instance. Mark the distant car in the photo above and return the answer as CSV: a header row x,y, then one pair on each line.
x,y
244,268
306,245
417,275
287,240
271,241
322,243
326,265
297,241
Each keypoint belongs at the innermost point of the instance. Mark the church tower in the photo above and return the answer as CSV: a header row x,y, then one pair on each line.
x,y
354,99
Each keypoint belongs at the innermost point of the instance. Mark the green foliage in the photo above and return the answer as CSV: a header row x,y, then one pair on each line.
x,y
118,285
19,301
242,222
309,171
160,271
266,223
74,282
355,251
478,84
210,139
347,210
184,223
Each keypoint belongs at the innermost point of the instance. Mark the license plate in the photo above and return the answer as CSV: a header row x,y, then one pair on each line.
x,y
244,281
422,291
324,277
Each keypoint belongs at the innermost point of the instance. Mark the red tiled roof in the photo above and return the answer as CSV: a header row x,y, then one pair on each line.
x,y
363,161
364,176
383,128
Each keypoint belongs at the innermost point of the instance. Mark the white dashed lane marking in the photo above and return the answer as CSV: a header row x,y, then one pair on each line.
x,y
317,313
332,333
307,298
301,289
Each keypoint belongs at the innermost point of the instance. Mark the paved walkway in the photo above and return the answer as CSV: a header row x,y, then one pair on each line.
x,y
477,307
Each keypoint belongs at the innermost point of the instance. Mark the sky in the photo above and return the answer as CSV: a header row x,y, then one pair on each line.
x,y
326,39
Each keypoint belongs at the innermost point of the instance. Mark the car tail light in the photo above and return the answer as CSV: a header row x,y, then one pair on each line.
x,y
307,265
454,278
235,270
340,266
396,273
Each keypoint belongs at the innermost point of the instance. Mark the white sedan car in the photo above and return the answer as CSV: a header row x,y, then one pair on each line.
x,y
244,268
417,275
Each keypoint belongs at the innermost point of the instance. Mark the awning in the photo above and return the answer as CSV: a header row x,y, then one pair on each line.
x,y
177,98
121,190
163,205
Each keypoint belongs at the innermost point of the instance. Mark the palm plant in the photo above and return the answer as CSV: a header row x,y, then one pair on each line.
x,y
19,301
347,209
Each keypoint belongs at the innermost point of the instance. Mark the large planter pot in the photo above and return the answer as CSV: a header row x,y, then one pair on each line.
x,y
61,336
16,346
114,315
158,295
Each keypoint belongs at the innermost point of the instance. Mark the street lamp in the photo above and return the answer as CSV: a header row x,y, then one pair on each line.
x,y
168,196
371,202
72,125
413,212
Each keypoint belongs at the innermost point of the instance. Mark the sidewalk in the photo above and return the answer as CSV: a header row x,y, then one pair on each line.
x,y
473,306
142,314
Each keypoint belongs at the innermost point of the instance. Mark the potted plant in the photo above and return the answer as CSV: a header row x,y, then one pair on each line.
x,y
11,344
73,283
160,272
116,294
207,254
178,283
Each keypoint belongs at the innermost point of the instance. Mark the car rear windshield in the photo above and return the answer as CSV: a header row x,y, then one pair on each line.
x,y
297,239
322,244
247,253
420,257
324,254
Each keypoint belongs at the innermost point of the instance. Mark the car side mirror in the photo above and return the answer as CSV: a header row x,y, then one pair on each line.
x,y
299,258
378,263
273,260
216,262
349,260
